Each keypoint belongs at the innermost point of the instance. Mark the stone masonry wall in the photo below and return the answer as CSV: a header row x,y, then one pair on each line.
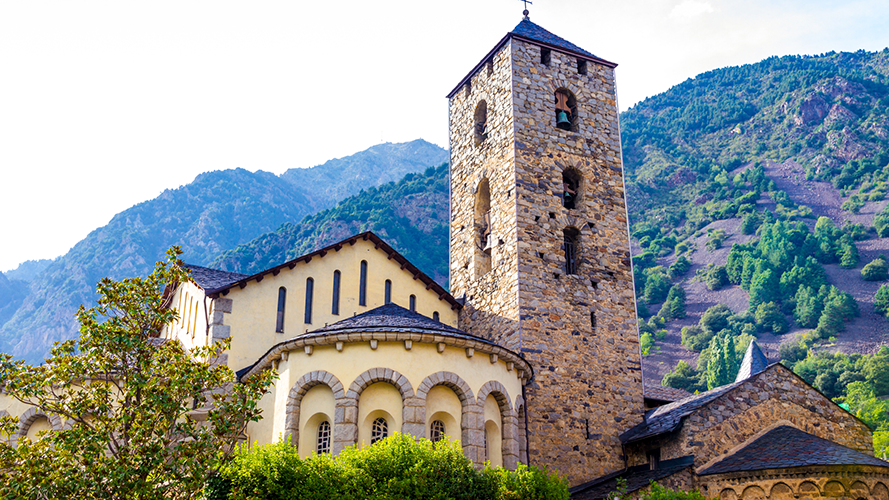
x,y
491,310
833,482
773,397
587,387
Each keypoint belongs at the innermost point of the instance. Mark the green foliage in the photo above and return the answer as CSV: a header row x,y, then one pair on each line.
x,y
716,238
397,467
128,432
674,306
658,492
657,286
881,300
769,318
683,376
715,319
876,270
678,268
716,277
646,342
695,338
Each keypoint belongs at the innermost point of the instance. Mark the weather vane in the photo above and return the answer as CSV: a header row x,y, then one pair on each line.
x,y
525,12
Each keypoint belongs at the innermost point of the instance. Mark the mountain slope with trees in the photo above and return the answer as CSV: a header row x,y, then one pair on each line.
x,y
217,211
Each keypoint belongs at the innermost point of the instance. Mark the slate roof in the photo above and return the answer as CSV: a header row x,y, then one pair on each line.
x,y
753,363
209,279
787,446
668,418
526,30
529,30
637,478
391,318
661,393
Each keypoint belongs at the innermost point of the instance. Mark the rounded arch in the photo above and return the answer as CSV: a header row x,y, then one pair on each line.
x,y
480,122
565,102
728,494
834,489
753,493
449,379
522,431
483,228
879,491
808,489
859,490
299,389
375,375
509,444
780,491
30,416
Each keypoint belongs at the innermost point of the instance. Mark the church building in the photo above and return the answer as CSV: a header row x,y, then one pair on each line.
x,y
533,356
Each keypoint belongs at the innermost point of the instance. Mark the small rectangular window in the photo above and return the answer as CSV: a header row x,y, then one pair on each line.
x,y
545,56
279,319
581,66
335,304
413,303
388,292
310,286
362,285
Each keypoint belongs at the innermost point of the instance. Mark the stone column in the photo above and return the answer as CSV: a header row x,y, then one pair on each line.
x,y
218,330
473,427
510,443
414,417
345,428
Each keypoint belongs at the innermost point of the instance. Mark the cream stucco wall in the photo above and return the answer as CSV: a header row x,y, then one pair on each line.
x,y
493,431
443,404
39,425
194,309
254,307
380,400
317,406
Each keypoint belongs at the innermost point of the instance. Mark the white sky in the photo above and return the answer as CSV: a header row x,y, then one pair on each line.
x,y
104,104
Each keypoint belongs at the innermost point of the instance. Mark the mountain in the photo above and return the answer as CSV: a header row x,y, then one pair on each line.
x,y
26,271
411,215
217,211
746,184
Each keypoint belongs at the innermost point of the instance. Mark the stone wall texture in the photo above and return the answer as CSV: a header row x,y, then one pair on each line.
x,y
587,384
803,483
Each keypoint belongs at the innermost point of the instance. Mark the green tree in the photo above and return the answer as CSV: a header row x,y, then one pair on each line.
x,y
125,397
715,319
876,270
849,255
876,371
881,300
717,277
657,286
769,317
683,376
717,370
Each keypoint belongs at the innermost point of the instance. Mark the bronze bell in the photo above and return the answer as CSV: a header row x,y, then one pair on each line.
x,y
563,120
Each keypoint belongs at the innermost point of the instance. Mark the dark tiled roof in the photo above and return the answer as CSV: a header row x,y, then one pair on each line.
x,y
527,29
662,393
390,317
786,446
210,279
669,417
754,362
637,478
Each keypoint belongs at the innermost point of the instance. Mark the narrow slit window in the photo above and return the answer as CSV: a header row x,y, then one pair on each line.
x,y
570,188
335,305
545,56
310,287
435,316
581,66
593,319
323,443
413,303
279,319
362,284
481,122
388,292
379,430
570,247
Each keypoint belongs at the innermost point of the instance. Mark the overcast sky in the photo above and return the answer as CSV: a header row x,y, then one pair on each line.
x,y
104,104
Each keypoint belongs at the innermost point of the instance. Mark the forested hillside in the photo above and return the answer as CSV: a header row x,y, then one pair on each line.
x,y
411,215
756,196
217,211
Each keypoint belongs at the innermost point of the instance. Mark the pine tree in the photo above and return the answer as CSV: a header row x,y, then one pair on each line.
x,y
881,301
716,368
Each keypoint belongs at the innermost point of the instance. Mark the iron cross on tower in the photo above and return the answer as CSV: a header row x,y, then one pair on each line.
x,y
526,2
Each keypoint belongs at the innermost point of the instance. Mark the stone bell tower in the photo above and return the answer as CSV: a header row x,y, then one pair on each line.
x,y
539,243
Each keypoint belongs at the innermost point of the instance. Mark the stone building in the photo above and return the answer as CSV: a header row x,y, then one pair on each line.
x,y
534,355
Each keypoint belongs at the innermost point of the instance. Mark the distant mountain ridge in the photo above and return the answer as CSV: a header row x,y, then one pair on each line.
x,y
219,210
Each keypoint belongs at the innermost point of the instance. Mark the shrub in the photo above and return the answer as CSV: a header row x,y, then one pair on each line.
x,y
717,277
876,270
397,467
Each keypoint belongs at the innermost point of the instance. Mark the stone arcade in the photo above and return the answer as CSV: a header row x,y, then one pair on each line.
x,y
534,355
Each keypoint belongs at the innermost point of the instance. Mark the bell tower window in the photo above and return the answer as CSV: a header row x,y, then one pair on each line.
x,y
570,188
481,122
566,110
483,238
